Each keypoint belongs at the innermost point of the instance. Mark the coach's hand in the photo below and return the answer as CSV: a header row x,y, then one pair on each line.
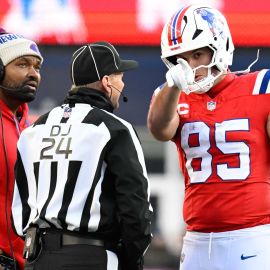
x,y
180,75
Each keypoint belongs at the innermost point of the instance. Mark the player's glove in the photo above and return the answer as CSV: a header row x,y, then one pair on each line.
x,y
180,75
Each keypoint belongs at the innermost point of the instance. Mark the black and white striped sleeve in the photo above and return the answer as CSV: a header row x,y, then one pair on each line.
x,y
20,207
126,162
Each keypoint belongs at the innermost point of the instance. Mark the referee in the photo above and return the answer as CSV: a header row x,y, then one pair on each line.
x,y
81,196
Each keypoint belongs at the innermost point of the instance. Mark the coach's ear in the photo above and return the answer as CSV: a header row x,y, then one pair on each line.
x,y
268,126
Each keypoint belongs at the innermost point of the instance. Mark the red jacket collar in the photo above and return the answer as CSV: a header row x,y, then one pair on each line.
x,y
22,111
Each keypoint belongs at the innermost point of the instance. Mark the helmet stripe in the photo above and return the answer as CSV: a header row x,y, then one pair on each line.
x,y
176,26
171,28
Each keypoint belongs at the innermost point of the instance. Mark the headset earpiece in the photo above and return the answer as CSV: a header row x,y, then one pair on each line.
x,y
2,70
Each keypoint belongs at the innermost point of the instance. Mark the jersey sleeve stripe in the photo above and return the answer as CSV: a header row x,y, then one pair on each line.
x,y
265,83
262,83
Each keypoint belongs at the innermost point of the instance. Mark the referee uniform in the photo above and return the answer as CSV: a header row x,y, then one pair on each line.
x,y
81,178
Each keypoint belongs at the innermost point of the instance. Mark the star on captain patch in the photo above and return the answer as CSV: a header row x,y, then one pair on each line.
x,y
211,105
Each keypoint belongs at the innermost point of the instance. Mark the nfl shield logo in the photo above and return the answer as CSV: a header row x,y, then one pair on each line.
x,y
67,112
211,105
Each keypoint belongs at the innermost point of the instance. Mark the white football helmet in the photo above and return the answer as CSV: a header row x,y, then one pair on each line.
x,y
194,27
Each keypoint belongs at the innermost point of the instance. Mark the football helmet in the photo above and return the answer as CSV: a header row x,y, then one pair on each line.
x,y
194,27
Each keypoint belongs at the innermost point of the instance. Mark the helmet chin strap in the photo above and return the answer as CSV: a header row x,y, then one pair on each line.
x,y
204,84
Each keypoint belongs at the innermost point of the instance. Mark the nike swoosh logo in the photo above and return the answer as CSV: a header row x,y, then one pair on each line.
x,y
247,257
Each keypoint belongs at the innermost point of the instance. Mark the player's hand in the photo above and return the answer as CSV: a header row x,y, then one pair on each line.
x,y
180,75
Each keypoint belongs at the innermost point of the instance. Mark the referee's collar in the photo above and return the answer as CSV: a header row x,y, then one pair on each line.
x,y
90,96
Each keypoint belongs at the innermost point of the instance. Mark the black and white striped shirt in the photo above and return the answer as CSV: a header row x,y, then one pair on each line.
x,y
81,168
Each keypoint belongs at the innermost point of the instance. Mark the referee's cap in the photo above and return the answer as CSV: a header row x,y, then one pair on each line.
x,y
93,61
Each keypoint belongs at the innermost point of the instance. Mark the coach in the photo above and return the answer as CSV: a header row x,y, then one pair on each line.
x,y
81,195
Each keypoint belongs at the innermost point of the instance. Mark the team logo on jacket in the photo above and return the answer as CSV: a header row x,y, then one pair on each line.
x,y
67,112
211,105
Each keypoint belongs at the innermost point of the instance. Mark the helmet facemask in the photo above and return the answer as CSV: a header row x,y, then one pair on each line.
x,y
214,71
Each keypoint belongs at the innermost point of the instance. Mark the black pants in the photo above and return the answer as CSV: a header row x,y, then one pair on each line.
x,y
53,256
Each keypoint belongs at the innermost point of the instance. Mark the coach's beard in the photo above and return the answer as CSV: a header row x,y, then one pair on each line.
x,y
22,93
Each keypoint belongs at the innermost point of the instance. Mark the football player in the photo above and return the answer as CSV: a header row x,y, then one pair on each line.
x,y
218,120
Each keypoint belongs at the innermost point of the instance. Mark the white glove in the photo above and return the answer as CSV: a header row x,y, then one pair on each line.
x,y
180,75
